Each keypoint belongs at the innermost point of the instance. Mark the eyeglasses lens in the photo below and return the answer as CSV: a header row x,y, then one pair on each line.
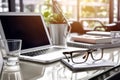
x,y
97,55
82,57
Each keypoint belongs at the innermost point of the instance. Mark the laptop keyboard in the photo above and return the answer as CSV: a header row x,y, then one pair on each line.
x,y
40,52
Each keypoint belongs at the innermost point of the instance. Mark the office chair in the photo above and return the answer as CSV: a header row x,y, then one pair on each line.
x,y
109,27
77,27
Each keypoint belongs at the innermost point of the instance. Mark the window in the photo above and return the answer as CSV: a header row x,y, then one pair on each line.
x,y
94,11
115,10
90,12
3,6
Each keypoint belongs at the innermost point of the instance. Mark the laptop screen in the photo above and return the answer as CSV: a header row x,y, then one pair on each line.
x,y
29,28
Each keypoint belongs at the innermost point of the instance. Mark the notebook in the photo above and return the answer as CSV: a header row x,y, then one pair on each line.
x,y
31,28
89,65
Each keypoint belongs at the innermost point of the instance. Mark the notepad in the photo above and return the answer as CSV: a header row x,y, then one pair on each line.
x,y
88,65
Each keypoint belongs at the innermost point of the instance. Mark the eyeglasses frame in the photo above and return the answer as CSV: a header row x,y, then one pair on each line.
x,y
89,52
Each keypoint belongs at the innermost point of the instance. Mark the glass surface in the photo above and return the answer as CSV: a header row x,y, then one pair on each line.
x,y
11,73
58,71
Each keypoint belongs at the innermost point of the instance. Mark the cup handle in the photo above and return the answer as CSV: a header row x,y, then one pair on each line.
x,y
68,31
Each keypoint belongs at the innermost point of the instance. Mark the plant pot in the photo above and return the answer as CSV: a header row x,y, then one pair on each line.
x,y
58,33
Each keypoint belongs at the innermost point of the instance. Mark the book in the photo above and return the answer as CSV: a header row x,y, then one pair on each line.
x,y
91,39
99,33
90,46
101,64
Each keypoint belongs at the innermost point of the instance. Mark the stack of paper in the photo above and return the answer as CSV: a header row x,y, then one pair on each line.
x,y
91,39
99,33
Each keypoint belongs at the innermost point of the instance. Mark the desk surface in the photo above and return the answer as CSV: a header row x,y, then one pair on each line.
x,y
58,71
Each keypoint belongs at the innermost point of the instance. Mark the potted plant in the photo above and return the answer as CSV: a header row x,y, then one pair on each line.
x,y
57,26
56,18
58,29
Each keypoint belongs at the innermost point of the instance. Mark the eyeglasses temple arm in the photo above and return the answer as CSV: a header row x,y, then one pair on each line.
x,y
66,56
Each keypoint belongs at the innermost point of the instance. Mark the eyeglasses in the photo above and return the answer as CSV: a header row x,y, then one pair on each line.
x,y
81,56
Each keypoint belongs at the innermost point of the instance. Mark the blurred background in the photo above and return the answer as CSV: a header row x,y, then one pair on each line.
x,y
90,12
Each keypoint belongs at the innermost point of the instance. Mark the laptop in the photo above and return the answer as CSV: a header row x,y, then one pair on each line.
x,y
1,65
36,42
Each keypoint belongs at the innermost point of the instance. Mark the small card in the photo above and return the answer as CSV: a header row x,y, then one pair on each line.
x,y
115,37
